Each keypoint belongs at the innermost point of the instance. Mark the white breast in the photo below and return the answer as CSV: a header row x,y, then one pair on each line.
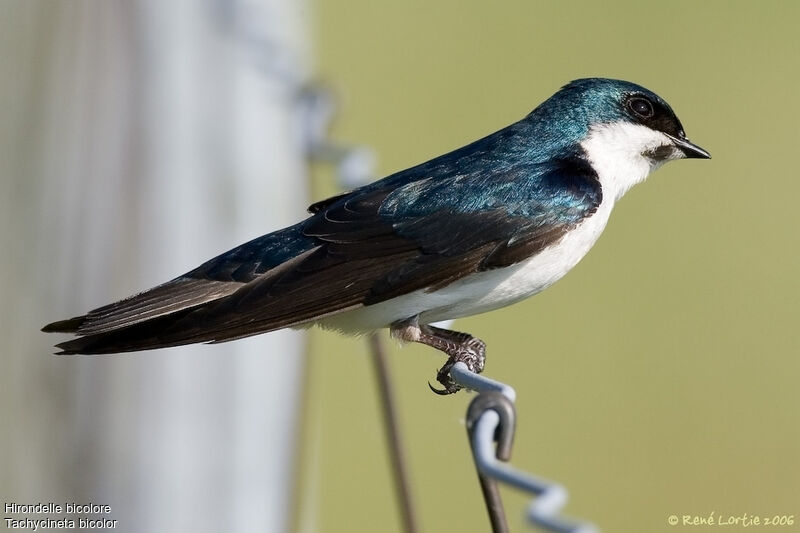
x,y
615,151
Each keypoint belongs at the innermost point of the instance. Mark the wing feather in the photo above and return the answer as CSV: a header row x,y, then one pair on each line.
x,y
391,238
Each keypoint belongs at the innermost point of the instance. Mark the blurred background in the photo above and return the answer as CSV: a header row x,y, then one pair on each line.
x,y
138,139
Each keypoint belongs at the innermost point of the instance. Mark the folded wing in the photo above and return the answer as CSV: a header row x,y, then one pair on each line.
x,y
358,249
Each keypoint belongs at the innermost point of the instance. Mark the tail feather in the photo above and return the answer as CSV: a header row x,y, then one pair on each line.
x,y
215,279
214,316
176,295
140,336
188,326
71,325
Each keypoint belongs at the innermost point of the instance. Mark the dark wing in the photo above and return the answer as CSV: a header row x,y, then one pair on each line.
x,y
176,295
372,245
211,281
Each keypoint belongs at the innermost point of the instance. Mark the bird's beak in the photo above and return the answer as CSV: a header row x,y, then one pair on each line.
x,y
689,149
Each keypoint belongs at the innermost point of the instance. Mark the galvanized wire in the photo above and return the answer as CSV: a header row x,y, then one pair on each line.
x,y
491,419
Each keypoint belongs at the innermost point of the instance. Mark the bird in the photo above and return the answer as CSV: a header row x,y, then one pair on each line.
x,y
470,231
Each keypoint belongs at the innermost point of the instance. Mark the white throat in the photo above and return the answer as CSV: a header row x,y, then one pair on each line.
x,y
618,152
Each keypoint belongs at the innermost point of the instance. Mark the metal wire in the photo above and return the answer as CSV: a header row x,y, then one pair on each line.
x,y
393,437
490,419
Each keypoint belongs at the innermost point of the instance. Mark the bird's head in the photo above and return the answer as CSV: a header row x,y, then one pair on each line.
x,y
625,130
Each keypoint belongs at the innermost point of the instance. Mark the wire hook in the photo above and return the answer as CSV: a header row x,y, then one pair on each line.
x,y
491,419
499,404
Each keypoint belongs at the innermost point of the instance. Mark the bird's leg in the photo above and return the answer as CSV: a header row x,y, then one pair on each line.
x,y
460,347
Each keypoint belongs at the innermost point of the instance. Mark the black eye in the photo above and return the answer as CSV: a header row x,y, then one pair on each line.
x,y
641,107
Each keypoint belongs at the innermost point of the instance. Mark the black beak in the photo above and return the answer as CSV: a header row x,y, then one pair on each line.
x,y
689,149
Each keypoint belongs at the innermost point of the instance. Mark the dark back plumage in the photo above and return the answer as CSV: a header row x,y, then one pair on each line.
x,y
490,204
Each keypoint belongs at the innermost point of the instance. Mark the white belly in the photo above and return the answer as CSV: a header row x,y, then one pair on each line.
x,y
483,291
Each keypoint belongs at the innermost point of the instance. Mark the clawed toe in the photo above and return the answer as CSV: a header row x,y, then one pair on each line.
x,y
443,377
450,388
460,348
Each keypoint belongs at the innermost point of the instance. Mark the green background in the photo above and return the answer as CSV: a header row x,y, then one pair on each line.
x,y
660,376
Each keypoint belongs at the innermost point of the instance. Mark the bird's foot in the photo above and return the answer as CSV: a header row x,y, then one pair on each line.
x,y
472,352
459,347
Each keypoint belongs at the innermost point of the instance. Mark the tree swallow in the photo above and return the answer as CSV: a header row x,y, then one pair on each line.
x,y
473,230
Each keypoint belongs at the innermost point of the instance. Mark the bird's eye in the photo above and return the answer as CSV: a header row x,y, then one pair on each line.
x,y
641,107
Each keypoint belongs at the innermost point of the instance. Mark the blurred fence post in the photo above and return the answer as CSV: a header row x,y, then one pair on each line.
x,y
140,139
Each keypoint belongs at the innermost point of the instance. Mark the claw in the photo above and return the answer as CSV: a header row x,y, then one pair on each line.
x,y
449,388
440,392
443,377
